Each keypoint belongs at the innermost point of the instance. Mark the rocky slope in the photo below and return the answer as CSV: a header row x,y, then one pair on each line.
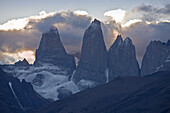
x,y
122,95
156,58
93,61
18,97
122,59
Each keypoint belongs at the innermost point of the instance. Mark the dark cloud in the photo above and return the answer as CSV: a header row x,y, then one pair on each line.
x,y
11,41
152,13
145,8
165,10
142,33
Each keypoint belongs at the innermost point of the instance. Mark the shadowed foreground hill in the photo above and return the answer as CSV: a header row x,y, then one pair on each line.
x,y
18,97
149,94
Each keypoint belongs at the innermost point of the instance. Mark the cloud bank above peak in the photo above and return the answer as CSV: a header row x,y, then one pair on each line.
x,y
23,35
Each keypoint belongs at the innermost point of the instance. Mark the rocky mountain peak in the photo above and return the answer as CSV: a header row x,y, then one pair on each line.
x,y
93,61
127,41
118,41
122,58
95,24
156,58
24,62
52,51
156,43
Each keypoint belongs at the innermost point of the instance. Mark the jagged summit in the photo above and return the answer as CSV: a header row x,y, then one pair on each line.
x,y
156,58
156,42
118,41
52,51
128,41
122,58
95,24
24,62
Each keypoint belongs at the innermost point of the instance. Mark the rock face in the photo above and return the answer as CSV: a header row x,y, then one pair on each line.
x,y
24,62
93,60
122,59
38,80
51,51
156,58
63,93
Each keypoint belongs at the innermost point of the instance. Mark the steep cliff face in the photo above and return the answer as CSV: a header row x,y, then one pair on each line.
x,y
93,61
122,59
156,58
51,51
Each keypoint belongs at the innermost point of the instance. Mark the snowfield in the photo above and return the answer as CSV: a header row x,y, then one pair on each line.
x,y
47,86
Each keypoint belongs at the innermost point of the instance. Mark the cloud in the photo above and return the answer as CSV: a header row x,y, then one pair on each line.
x,y
150,8
142,33
152,13
71,27
80,12
16,42
130,22
117,14
19,24
110,31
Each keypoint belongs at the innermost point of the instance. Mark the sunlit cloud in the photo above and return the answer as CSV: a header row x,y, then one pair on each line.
x,y
117,15
11,58
27,54
115,33
130,22
80,12
14,24
19,24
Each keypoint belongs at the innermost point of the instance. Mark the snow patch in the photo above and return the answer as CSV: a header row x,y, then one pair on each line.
x,y
72,76
55,78
87,83
159,67
107,75
10,85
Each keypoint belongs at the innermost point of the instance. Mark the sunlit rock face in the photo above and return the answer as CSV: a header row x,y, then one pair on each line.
x,y
51,51
156,58
93,61
122,59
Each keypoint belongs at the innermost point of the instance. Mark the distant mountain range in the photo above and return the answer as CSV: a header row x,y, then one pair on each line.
x,y
56,74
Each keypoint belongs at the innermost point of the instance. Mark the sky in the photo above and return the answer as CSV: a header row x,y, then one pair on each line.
x,y
22,23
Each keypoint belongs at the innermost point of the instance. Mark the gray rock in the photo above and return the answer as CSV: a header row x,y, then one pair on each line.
x,y
122,59
156,58
51,51
38,80
93,60
24,62
63,93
